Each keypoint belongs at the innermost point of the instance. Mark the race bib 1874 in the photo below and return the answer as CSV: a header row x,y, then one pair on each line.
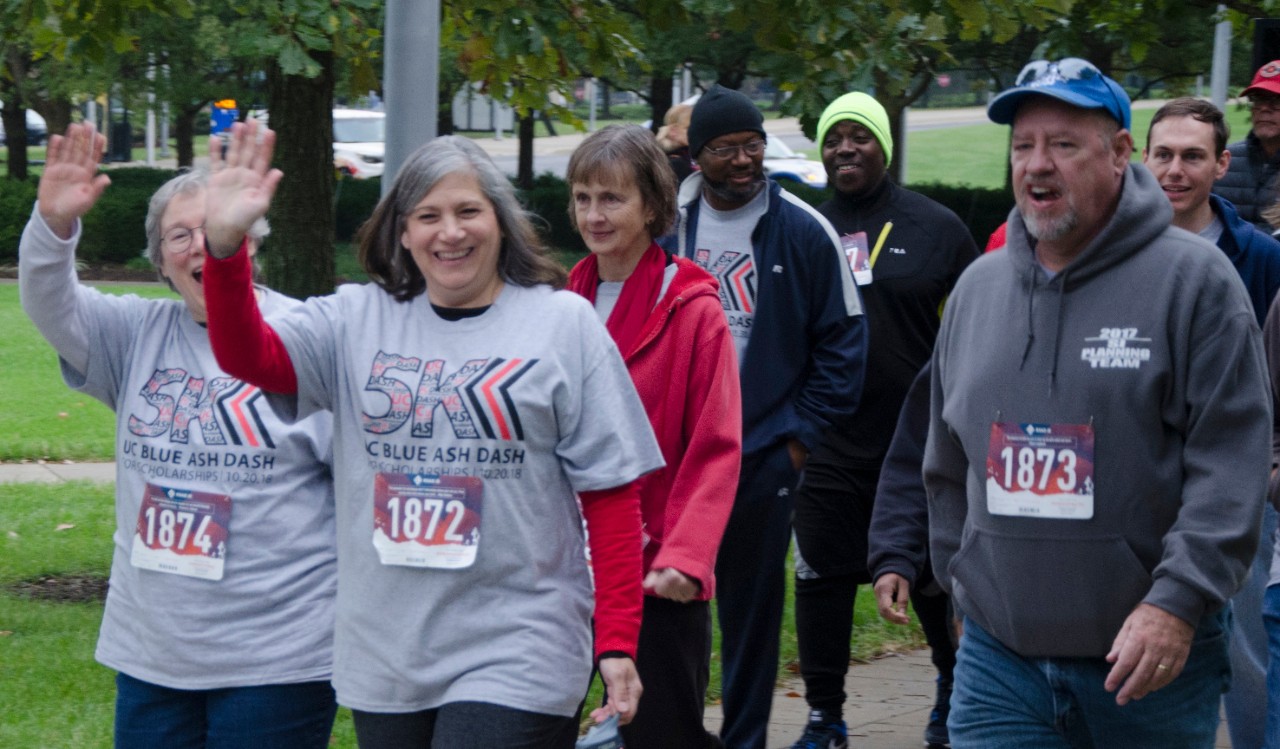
x,y
427,520
182,532
1041,470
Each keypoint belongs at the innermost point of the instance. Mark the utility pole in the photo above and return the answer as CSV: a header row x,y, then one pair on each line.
x,y
411,79
1221,60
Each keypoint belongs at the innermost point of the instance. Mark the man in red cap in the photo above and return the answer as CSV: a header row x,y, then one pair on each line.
x,y
1250,181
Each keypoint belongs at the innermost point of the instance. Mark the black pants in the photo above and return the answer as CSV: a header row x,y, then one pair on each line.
x,y
673,659
750,593
465,725
824,624
833,517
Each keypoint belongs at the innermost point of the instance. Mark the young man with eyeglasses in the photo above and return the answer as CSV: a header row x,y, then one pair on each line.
x,y
797,322
906,252
1250,181
1098,445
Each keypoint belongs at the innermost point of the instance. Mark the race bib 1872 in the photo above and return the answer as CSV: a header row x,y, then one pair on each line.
x,y
427,520
1041,470
182,532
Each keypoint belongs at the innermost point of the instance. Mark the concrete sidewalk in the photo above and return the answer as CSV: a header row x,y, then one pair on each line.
x,y
887,708
889,698
888,705
45,472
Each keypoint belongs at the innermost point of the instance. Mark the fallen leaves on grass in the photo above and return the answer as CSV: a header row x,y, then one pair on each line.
x,y
79,588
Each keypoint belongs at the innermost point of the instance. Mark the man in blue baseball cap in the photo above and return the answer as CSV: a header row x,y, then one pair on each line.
x,y
1098,445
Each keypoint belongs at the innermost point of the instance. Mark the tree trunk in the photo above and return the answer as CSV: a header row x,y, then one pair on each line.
x,y
659,99
184,133
524,168
56,113
895,134
14,117
444,110
299,254
605,114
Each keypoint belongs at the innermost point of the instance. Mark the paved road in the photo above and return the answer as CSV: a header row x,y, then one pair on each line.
x,y
551,154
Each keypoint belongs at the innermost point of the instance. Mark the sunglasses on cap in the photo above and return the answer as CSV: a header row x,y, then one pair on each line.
x,y
1072,79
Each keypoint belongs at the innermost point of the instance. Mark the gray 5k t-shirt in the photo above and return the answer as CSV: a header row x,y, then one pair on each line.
x,y
209,479
459,448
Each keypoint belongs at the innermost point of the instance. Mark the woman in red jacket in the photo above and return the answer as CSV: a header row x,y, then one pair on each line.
x,y
665,315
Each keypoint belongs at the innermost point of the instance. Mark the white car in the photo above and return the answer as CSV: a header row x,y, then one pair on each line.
x,y
359,142
781,163
37,130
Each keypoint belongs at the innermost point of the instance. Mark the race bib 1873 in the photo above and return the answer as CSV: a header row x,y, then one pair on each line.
x,y
1041,470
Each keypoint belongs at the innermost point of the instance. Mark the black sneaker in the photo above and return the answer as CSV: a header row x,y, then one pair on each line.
x,y
823,733
935,734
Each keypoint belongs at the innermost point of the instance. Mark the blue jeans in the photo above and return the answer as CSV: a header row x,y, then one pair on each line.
x,y
276,716
1271,617
1245,702
1005,701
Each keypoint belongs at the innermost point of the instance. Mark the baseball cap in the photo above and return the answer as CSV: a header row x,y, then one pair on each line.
x,y
1266,80
1072,80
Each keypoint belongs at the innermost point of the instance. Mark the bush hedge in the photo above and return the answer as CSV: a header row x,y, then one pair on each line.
x,y
16,200
354,201
981,209
113,230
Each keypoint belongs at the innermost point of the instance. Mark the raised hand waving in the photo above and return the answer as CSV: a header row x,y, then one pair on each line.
x,y
241,185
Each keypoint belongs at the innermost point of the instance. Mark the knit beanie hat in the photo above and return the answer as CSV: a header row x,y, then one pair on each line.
x,y
721,111
863,110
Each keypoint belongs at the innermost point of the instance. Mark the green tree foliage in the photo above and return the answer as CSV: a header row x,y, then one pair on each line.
x,y
529,54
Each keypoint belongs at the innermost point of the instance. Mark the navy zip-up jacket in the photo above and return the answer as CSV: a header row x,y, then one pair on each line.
x,y
1255,255
803,369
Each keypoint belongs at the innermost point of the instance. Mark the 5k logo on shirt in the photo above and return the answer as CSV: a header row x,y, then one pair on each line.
x,y
476,398
736,273
228,408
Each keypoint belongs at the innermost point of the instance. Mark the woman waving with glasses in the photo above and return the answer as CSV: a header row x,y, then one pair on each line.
x,y
219,619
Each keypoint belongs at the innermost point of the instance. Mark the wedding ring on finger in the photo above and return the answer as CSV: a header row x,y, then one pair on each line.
x,y
1161,667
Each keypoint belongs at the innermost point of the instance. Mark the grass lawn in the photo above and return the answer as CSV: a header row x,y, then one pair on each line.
x,y
55,695
40,418
978,155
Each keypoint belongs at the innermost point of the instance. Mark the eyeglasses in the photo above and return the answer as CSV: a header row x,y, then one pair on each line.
x,y
1264,103
725,153
178,239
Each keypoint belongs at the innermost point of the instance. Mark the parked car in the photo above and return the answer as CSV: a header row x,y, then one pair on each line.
x,y
37,130
781,163
359,142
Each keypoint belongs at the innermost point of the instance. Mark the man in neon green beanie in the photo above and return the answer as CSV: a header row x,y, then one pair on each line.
x,y
906,252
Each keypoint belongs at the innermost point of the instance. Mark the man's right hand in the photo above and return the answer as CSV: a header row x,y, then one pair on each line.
x,y
892,593
70,184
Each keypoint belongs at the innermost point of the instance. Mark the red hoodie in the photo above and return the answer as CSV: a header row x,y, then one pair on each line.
x,y
685,368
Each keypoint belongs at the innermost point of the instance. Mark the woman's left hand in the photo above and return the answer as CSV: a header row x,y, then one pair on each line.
x,y
672,584
622,682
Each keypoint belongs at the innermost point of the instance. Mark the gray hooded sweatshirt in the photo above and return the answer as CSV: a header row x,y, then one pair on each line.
x,y
1147,341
